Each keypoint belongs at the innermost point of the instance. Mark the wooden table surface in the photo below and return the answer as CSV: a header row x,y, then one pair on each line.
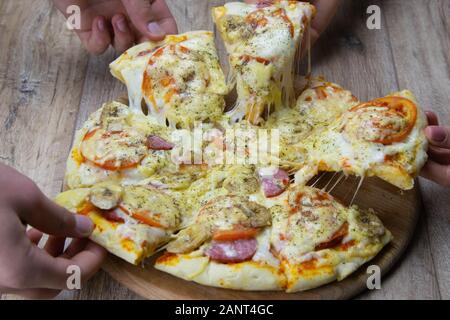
x,y
49,85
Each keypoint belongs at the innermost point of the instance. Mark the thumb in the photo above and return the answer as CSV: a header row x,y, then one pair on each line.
x,y
152,18
48,217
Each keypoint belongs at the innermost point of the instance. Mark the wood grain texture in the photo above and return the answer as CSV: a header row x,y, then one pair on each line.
x,y
48,86
42,71
422,64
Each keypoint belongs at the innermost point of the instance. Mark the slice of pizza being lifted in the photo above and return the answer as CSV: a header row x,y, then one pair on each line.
x,y
131,222
262,41
117,144
382,138
179,78
318,240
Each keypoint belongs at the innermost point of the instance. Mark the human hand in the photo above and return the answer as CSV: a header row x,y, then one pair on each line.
x,y
437,167
326,9
25,269
120,23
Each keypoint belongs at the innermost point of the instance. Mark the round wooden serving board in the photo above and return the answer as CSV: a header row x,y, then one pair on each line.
x,y
399,211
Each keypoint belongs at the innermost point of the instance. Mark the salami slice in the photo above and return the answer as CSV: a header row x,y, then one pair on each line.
x,y
158,143
275,184
112,215
232,251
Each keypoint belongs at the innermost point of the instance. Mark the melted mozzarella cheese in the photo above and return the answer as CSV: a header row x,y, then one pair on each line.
x,y
314,221
341,150
179,79
263,253
262,53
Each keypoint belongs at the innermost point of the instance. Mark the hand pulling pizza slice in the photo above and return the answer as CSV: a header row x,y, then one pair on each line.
x,y
179,78
227,246
131,222
382,138
117,144
318,240
262,41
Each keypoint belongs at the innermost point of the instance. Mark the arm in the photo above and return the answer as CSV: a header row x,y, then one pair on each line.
x,y
25,269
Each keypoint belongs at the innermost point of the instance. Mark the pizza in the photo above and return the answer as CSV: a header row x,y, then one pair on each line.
x,y
383,137
238,225
303,240
318,105
179,79
130,221
117,143
262,41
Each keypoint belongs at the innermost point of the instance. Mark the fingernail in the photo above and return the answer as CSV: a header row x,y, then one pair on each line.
x,y
83,225
437,134
101,25
155,29
122,25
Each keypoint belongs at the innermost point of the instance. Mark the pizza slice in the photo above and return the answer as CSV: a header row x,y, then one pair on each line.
x,y
382,138
301,239
117,144
262,41
179,78
319,104
318,240
228,246
131,222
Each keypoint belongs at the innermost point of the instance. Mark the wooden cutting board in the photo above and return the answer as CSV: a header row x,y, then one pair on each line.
x,y
399,211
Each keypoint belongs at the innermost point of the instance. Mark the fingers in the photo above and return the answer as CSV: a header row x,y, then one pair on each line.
x,y
153,19
45,271
436,172
123,35
55,246
439,155
89,260
48,217
98,39
432,118
438,136
74,248
326,9
34,235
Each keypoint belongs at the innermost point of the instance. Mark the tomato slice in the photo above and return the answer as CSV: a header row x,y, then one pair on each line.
x,y
112,165
235,234
142,216
282,13
257,18
247,58
335,239
148,84
392,106
115,140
